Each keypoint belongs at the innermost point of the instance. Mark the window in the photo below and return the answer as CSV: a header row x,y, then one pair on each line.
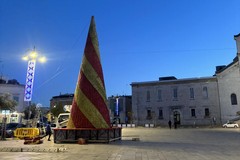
x,y
148,96
175,93
191,93
205,92
149,114
233,99
193,113
159,95
160,114
207,113
16,98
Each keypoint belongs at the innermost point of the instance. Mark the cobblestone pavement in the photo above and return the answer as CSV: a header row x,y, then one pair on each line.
x,y
137,144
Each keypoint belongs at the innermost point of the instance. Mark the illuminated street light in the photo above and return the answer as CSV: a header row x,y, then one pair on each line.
x,y
32,57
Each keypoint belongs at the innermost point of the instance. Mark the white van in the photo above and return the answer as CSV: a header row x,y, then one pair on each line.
x,y
62,120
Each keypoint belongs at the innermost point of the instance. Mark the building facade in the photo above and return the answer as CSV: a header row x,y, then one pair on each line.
x,y
64,100
193,101
229,86
120,109
15,92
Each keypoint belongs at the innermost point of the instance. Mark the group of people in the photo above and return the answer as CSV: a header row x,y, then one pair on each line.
x,y
170,124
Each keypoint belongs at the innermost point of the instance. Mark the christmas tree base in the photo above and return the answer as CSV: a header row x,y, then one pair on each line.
x,y
90,135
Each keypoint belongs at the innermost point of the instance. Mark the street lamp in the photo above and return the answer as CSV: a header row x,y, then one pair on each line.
x,y
32,57
116,110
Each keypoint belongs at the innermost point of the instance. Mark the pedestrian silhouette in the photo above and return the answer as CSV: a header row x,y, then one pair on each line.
x,y
170,124
48,131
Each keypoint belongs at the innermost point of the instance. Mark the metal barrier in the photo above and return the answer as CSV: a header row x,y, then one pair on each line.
x,y
23,133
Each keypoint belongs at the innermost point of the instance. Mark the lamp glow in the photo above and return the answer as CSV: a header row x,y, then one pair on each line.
x,y
25,58
33,55
42,59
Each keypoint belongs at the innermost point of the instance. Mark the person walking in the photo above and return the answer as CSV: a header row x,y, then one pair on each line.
x,y
48,131
170,124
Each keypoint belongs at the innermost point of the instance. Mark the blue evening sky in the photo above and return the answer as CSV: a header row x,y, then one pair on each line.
x,y
139,40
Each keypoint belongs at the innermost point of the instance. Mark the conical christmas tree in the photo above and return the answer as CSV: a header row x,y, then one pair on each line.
x,y
89,107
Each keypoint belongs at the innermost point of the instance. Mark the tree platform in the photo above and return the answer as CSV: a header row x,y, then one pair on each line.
x,y
91,135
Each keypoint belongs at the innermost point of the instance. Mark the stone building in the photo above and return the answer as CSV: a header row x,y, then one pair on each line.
x,y
229,86
192,101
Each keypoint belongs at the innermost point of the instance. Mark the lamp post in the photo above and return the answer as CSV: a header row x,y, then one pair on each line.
x,y
32,57
116,111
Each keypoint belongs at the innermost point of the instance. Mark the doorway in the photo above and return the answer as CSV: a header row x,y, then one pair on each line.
x,y
176,117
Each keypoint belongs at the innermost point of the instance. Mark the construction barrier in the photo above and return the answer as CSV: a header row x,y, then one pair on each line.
x,y
23,133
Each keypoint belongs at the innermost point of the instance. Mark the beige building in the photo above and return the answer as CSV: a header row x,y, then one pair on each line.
x,y
192,101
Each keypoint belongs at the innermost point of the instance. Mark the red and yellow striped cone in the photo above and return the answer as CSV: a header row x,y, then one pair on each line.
x,y
89,107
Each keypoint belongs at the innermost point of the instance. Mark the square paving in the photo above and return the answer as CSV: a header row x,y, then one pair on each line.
x,y
137,144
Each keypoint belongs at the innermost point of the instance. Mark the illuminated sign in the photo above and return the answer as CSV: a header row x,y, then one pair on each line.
x,y
117,107
29,81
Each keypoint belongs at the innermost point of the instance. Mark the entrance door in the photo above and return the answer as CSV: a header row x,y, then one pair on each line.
x,y
176,116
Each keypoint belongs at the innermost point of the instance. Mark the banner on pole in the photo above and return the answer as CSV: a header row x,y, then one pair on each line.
x,y
29,81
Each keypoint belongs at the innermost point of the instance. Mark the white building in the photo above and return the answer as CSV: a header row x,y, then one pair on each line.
x,y
192,101
229,86
15,92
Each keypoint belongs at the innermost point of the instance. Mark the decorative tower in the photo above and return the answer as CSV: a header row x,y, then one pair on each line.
x,y
89,106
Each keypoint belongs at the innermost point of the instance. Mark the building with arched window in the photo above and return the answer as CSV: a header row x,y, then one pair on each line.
x,y
191,101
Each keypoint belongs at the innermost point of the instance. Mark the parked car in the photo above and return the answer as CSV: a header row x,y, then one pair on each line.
x,y
10,127
230,125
